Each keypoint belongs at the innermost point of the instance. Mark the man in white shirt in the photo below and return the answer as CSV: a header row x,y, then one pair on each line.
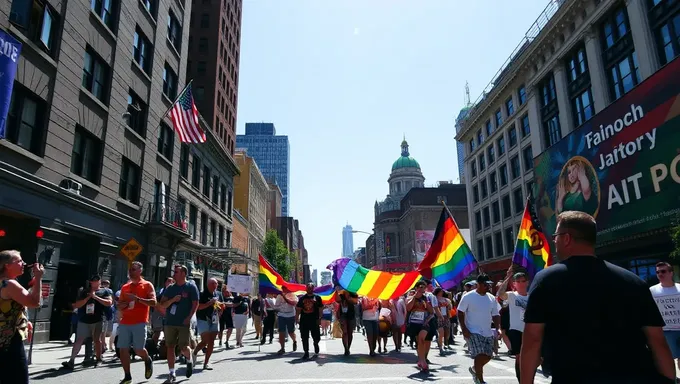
x,y
476,311
517,304
285,305
668,287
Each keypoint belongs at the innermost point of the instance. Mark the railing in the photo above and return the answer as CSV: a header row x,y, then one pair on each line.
x,y
531,34
170,212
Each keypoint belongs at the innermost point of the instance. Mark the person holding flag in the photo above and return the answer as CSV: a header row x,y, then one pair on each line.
x,y
517,304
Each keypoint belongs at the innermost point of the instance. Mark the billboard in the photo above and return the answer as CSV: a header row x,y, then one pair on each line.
x,y
622,166
424,241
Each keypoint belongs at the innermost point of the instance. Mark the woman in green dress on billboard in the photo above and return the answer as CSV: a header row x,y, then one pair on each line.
x,y
577,188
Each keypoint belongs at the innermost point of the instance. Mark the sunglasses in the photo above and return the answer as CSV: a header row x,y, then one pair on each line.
x,y
662,271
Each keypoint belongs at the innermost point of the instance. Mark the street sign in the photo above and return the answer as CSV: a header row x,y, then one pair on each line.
x,y
131,249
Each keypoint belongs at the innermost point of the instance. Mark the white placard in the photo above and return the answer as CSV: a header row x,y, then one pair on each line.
x,y
669,306
240,283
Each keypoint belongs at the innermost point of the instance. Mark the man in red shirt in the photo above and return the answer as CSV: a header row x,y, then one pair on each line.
x,y
135,299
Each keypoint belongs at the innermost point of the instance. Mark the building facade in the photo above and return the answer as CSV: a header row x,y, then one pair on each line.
x,y
87,142
251,193
274,201
579,58
213,65
239,242
325,278
347,241
272,154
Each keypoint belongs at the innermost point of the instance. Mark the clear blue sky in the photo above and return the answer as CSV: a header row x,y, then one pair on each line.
x,y
346,79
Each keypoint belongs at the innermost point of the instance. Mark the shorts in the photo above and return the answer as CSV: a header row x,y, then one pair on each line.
x,y
414,329
444,322
107,327
286,324
672,338
226,322
205,326
240,321
480,345
156,321
515,337
327,317
505,319
350,324
131,335
371,327
177,335
85,330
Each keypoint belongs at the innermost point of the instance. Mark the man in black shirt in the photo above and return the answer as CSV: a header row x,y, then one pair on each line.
x,y
90,305
208,321
309,312
347,315
597,322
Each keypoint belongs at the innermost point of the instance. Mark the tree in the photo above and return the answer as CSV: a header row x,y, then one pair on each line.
x,y
275,251
675,237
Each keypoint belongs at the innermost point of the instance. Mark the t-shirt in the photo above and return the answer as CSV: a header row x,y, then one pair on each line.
x,y
93,311
206,314
226,314
347,309
108,311
285,309
671,316
256,307
136,313
606,340
309,306
240,305
517,304
370,308
180,311
479,311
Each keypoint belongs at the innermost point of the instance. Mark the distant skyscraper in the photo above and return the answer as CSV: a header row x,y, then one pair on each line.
x,y
272,155
315,277
325,278
347,241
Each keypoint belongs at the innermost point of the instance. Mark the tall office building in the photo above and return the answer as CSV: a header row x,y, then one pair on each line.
x,y
272,154
214,51
347,241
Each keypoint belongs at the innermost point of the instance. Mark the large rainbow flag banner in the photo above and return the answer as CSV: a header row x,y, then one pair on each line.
x,y
351,276
532,250
449,259
272,282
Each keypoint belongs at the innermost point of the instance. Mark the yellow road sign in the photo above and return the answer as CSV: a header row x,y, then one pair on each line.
x,y
131,249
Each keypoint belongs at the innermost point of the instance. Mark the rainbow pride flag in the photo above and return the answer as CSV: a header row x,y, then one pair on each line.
x,y
449,259
532,250
351,276
272,282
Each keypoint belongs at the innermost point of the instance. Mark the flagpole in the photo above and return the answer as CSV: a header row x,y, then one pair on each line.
x,y
177,98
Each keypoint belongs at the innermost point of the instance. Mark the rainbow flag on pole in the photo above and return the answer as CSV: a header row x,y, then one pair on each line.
x,y
449,259
532,250
272,282
373,284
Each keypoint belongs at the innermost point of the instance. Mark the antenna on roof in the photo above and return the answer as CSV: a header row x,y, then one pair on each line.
x,y
467,94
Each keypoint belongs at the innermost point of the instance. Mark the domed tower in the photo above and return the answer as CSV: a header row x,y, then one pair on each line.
x,y
406,174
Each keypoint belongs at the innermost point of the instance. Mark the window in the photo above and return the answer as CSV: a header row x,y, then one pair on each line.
x,y
129,181
499,118
493,181
184,161
196,172
491,153
223,197
202,45
221,235
166,141
501,145
213,233
577,64
668,37
473,168
201,67
522,93
624,75
174,31
582,106
199,94
206,181
619,57
86,155
615,27
496,212
489,247
530,189
475,194
204,228
509,240
480,249
472,145
498,240
526,130
205,20
36,20
552,131
547,91
138,111
480,137
478,221
95,75
169,82
503,174
512,135
142,51
482,162
216,190
193,221
509,107
485,216
229,203
489,128
514,167
25,125
485,190
519,200
103,9
507,210
528,158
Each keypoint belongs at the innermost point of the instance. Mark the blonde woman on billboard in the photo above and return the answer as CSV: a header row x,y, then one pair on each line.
x,y
575,191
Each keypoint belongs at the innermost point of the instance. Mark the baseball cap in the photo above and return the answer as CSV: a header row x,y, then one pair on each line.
x,y
483,279
471,283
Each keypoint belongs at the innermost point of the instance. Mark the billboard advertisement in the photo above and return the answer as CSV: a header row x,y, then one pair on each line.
x,y
622,166
390,244
424,241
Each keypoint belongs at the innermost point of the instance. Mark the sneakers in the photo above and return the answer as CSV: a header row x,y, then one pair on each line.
x,y
305,356
126,380
170,380
148,368
190,369
316,348
68,365
294,346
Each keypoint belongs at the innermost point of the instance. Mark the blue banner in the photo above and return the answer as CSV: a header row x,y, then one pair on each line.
x,y
10,49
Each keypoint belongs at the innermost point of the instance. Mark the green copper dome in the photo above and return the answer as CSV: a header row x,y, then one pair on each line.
x,y
405,161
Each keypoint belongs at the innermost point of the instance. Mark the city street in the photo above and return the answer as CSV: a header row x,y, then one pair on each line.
x,y
249,366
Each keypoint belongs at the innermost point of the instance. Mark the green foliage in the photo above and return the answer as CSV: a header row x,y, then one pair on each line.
x,y
275,251
675,237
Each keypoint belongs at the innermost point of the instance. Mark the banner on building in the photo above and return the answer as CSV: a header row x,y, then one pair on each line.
x,y
390,244
10,49
622,166
423,243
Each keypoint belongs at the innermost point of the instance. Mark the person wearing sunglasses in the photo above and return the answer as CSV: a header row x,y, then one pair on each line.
x,y
668,289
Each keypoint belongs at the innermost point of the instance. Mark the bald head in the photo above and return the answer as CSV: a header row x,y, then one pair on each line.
x,y
212,284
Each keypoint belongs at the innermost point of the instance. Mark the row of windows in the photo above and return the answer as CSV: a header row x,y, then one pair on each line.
x,y
212,187
504,208
498,118
501,176
490,246
489,155
211,233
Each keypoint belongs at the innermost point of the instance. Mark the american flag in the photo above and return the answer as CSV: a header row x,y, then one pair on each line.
x,y
185,118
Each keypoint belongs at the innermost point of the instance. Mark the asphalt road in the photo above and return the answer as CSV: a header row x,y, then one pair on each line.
x,y
254,365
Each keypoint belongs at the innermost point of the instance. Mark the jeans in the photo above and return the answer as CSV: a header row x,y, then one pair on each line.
x,y
308,325
14,364
269,325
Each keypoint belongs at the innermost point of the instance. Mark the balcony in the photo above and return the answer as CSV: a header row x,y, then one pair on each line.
x,y
169,216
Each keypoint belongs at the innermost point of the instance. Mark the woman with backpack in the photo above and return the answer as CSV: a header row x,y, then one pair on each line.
x,y
14,299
